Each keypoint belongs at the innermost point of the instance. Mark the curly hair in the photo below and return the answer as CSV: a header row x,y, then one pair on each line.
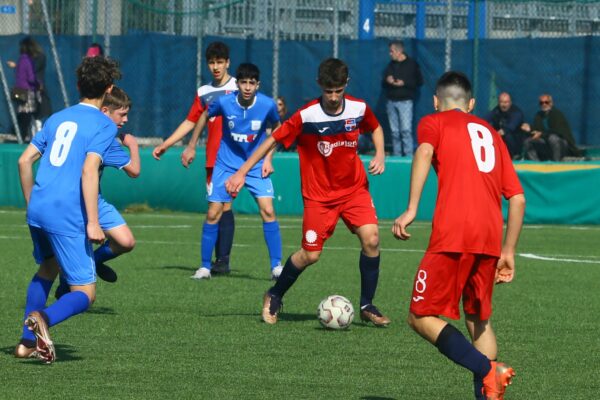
x,y
95,75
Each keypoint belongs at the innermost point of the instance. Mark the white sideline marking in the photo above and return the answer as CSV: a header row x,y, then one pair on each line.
x,y
543,258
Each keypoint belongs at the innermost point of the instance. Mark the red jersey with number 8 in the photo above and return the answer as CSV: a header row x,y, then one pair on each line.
x,y
474,170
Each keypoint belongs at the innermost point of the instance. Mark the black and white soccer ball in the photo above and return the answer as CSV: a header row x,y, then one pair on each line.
x,y
335,312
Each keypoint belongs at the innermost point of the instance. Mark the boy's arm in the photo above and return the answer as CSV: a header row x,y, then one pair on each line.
x,y
236,181
267,168
377,164
134,167
29,156
89,186
183,129
418,176
188,155
505,271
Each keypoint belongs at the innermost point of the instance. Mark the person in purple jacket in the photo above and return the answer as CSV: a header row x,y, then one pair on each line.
x,y
25,78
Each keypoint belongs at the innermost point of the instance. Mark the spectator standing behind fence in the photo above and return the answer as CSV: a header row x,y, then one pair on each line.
x,y
26,87
506,118
551,137
401,79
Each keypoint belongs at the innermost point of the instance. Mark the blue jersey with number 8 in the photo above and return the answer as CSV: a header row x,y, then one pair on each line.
x,y
56,204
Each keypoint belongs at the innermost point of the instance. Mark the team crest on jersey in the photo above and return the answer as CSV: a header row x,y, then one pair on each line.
x,y
350,124
325,148
231,125
255,124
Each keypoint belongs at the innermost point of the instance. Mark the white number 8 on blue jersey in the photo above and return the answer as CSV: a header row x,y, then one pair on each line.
x,y
65,133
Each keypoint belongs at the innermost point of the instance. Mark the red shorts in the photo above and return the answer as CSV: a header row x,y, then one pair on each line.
x,y
443,278
320,219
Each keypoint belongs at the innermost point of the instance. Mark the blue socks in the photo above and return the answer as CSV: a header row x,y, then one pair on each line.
x,y
37,295
369,276
68,305
287,278
457,348
225,237
210,233
273,239
103,253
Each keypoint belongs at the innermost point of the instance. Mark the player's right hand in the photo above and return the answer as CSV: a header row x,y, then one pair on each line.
x,y
95,233
401,223
158,151
235,183
188,156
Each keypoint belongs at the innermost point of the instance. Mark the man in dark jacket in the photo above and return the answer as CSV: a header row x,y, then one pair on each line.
x,y
401,79
551,137
507,119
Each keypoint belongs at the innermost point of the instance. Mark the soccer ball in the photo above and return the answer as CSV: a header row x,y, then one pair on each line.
x,y
335,312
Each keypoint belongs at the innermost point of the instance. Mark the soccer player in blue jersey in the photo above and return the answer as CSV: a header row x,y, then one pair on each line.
x,y
62,205
246,115
217,60
116,106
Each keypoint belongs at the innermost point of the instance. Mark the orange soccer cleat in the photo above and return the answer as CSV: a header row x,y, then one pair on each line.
x,y
496,381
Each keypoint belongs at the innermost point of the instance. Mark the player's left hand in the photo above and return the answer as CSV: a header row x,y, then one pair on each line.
x,y
377,165
95,233
505,269
188,156
267,168
401,223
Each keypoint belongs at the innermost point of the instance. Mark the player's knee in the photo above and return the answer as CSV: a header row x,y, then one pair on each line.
x,y
412,321
371,244
268,214
128,244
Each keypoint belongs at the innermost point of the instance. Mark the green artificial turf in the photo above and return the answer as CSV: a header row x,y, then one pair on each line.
x,y
157,334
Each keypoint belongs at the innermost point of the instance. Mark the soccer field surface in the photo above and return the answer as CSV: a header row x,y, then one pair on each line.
x,y
157,334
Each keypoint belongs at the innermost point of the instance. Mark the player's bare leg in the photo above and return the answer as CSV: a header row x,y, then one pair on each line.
x,y
369,274
272,234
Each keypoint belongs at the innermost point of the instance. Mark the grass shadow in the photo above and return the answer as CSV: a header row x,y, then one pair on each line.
x,y
179,267
64,353
101,311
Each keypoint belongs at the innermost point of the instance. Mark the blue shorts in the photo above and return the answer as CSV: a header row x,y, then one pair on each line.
x,y
258,187
108,215
75,255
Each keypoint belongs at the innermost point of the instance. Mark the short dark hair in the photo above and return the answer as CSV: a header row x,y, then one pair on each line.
x,y
217,50
399,44
453,85
247,71
95,75
116,99
333,72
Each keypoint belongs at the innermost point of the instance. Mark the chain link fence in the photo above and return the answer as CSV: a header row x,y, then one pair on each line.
x,y
475,25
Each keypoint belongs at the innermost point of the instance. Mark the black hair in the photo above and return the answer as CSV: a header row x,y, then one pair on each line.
x,y
453,85
247,71
95,75
333,73
30,47
116,99
217,50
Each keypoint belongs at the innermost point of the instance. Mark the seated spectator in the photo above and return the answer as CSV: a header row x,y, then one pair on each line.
x,y
506,118
550,134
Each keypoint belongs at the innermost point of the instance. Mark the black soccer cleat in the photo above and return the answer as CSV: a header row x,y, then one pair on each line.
x,y
106,273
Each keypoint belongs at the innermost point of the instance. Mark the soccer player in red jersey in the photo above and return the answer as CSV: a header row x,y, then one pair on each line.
x,y
217,58
466,255
334,183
